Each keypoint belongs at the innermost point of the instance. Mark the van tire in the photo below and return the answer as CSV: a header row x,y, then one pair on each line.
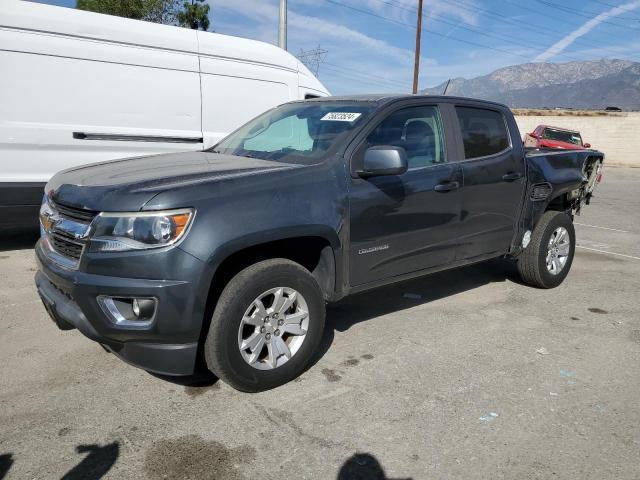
x,y
532,262
222,346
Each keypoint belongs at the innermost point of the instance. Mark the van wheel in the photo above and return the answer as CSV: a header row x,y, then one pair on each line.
x,y
266,326
546,261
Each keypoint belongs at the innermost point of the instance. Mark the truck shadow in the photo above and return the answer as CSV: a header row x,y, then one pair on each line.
x,y
18,239
194,385
358,308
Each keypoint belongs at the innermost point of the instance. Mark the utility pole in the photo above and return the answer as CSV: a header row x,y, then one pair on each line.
x,y
416,65
282,26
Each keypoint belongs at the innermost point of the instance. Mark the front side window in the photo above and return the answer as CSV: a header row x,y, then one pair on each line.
x,y
562,136
416,129
484,132
297,132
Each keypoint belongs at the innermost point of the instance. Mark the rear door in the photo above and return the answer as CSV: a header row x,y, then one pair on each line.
x,y
493,168
405,223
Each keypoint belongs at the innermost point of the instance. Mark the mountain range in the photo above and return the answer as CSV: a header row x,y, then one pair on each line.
x,y
585,85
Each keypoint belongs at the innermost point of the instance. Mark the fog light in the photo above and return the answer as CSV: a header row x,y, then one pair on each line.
x,y
129,311
144,308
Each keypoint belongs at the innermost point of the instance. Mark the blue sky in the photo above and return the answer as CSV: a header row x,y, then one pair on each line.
x,y
370,43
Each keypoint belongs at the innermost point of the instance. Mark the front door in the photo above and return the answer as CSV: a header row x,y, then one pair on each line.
x,y
405,223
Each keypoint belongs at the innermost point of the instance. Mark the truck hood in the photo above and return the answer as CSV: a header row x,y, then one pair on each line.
x,y
127,185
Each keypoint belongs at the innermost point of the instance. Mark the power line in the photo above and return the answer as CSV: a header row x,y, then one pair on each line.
x,y
546,16
367,77
500,36
503,18
579,13
612,6
367,12
542,27
364,79
433,32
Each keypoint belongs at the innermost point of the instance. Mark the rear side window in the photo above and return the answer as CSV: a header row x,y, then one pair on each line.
x,y
484,132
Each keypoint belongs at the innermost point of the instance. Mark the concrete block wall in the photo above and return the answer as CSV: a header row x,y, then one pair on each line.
x,y
618,136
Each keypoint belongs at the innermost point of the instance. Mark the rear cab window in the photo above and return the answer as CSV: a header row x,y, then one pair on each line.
x,y
562,135
484,132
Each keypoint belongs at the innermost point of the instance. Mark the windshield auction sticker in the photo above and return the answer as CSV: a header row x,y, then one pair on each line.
x,y
341,117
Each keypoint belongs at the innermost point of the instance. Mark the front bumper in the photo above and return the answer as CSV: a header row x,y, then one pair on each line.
x,y
169,345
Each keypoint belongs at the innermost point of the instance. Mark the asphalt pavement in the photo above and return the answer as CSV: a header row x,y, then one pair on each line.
x,y
464,374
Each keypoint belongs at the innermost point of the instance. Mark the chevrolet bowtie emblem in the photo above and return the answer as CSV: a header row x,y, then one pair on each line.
x,y
49,220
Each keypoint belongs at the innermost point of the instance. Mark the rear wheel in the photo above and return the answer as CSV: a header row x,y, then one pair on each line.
x,y
266,326
546,261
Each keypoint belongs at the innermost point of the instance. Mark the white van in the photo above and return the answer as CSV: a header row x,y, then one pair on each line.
x,y
78,87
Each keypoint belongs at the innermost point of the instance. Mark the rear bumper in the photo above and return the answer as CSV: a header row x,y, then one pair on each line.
x,y
168,346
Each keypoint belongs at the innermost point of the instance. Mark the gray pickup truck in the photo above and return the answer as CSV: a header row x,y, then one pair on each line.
x,y
226,258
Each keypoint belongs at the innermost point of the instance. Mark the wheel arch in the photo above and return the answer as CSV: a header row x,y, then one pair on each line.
x,y
315,247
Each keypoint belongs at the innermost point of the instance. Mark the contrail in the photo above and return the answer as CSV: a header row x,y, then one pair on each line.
x,y
589,25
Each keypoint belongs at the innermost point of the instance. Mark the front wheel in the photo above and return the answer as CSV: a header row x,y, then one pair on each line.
x,y
546,261
266,326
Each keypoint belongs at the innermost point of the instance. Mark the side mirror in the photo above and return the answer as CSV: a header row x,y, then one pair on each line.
x,y
587,145
384,160
534,135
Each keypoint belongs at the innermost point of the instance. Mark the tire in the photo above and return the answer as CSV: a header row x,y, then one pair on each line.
x,y
238,305
532,262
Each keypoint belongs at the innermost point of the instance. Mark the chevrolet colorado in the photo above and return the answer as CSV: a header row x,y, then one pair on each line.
x,y
227,257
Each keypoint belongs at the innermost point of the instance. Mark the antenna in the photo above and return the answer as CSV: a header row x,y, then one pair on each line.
x,y
446,87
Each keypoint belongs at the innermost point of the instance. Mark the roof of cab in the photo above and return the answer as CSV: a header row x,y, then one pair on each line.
x,y
383,98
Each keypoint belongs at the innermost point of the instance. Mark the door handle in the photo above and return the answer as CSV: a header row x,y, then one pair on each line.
x,y
446,187
511,176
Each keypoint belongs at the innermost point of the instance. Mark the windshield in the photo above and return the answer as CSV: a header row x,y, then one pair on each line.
x,y
297,132
562,136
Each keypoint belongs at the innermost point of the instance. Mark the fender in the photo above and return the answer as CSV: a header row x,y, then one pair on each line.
x,y
562,172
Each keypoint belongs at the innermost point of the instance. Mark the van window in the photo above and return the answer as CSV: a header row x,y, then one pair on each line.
x,y
484,132
416,129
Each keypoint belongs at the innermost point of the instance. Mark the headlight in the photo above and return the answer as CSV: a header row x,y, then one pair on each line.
x,y
117,232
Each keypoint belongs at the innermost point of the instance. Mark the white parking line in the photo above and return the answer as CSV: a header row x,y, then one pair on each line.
x,y
602,228
609,253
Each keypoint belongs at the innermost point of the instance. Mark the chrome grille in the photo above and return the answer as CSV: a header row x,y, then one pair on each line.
x,y
65,246
65,230
73,213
